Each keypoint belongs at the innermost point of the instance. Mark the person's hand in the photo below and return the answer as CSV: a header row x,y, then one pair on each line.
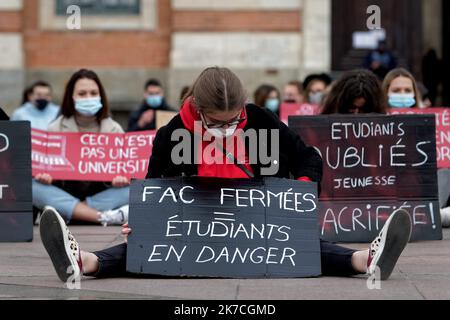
x,y
146,118
375,65
120,182
126,231
44,178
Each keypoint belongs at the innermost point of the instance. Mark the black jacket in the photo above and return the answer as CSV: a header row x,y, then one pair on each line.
x,y
136,115
3,115
296,159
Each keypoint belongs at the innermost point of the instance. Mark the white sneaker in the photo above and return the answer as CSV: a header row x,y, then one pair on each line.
x,y
116,217
445,217
389,245
61,245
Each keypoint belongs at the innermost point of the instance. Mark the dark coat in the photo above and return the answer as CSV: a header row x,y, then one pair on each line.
x,y
296,159
3,115
136,115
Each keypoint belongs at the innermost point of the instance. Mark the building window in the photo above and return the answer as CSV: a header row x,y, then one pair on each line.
x,y
100,7
100,14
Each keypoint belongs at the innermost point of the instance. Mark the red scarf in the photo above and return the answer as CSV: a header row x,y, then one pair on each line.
x,y
189,115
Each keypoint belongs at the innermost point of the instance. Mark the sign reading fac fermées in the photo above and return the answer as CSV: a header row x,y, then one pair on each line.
x,y
374,164
203,227
16,214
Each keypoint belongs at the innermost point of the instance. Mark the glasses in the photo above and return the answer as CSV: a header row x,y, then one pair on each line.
x,y
221,124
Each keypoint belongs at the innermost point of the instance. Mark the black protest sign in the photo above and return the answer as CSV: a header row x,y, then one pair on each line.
x,y
16,214
204,227
374,164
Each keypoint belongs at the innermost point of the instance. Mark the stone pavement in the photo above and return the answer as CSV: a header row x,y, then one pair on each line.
x,y
26,272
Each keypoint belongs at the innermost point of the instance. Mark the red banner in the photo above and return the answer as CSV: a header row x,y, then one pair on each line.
x,y
442,131
91,156
293,109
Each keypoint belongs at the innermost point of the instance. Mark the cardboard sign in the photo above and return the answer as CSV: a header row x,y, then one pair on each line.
x,y
293,109
442,131
374,164
16,211
203,227
91,156
163,118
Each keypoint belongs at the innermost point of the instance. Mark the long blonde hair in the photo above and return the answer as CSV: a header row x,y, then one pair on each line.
x,y
401,72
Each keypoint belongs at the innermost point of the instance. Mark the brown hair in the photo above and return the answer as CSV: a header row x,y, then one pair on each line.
x,y
351,86
68,105
217,89
400,72
310,85
262,94
297,84
183,93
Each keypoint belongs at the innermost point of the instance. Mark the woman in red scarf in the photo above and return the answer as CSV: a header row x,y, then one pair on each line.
x,y
215,109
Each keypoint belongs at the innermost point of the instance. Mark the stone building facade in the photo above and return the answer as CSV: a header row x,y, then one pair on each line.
x,y
270,41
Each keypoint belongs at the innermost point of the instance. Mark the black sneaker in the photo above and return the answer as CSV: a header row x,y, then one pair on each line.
x,y
60,244
389,245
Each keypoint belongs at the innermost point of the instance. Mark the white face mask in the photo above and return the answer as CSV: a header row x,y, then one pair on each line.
x,y
316,97
222,133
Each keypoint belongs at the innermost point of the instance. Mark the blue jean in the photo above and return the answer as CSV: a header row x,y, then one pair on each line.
x,y
65,203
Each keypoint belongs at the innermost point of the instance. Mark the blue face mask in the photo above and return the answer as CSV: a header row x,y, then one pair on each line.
x,y
154,101
88,107
273,105
316,98
401,100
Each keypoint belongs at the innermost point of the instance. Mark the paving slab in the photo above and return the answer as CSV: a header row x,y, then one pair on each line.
x,y
423,272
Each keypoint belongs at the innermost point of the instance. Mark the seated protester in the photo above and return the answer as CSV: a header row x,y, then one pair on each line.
x,y
3,115
217,101
381,60
85,109
293,92
357,91
403,92
39,110
145,117
268,96
401,89
316,88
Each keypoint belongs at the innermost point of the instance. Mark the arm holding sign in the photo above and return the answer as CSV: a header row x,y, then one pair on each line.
x,y
120,182
44,178
126,231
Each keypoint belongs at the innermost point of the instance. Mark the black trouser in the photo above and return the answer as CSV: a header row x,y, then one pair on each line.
x,y
336,261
